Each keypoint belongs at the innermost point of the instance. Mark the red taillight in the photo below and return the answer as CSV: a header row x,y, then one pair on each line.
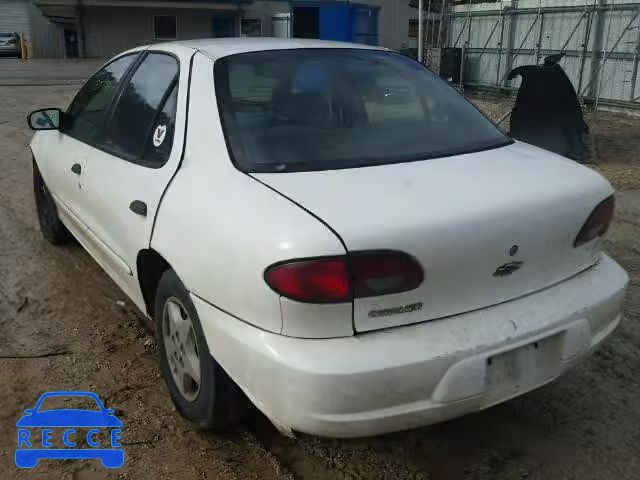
x,y
598,222
322,280
340,279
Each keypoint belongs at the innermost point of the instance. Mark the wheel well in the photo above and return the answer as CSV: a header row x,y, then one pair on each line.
x,y
151,265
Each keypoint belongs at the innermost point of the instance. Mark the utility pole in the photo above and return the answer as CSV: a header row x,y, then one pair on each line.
x,y
442,7
82,39
420,31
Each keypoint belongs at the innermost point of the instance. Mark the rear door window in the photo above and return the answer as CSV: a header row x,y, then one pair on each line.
x,y
141,128
157,152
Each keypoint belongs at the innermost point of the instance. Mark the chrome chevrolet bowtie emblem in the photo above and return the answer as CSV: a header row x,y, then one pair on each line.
x,y
507,269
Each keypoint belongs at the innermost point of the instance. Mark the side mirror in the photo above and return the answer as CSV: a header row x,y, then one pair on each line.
x,y
45,119
109,411
29,411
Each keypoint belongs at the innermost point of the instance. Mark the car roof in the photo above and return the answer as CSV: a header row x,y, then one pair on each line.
x,y
222,47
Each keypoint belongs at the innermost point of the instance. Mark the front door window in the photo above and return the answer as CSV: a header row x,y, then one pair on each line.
x,y
85,118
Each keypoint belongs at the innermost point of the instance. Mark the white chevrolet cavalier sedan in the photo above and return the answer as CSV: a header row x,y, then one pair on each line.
x,y
329,227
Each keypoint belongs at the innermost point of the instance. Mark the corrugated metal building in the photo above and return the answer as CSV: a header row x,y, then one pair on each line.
x,y
101,28
395,18
14,16
42,38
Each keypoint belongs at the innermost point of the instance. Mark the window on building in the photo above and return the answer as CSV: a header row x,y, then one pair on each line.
x,y
146,110
165,27
85,117
413,28
250,27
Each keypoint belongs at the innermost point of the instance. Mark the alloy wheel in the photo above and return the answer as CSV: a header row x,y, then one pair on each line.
x,y
181,348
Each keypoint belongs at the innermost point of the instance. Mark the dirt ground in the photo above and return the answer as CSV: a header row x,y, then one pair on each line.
x,y
65,325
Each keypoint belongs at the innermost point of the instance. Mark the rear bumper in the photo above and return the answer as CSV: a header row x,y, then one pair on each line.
x,y
420,374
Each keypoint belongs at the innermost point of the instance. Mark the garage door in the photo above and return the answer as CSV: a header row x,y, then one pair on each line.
x,y
14,16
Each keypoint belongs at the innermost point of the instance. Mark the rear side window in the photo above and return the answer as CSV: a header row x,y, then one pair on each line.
x,y
323,109
143,119
85,117
156,153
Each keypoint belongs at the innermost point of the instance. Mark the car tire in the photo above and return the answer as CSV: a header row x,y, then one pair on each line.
x,y
53,230
216,402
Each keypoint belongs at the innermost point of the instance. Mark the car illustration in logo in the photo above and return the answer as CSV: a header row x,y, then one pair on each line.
x,y
27,455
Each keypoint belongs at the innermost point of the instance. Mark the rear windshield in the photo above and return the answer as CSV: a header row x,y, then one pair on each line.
x,y
324,109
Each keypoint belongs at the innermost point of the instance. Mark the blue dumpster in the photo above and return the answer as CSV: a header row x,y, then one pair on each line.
x,y
341,21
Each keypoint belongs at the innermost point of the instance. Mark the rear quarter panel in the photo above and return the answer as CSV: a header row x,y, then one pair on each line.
x,y
219,228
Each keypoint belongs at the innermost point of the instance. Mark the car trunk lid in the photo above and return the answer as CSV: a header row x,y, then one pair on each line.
x,y
486,227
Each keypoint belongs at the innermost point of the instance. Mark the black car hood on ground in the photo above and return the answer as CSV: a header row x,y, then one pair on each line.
x,y
547,112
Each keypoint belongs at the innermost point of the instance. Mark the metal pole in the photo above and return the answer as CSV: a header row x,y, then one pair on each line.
x,y
420,32
500,43
429,28
517,53
585,45
465,47
461,83
604,54
469,24
82,39
636,58
540,31
631,6
440,23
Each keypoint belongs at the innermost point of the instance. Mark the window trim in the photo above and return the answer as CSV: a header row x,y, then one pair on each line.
x,y
125,78
137,159
153,25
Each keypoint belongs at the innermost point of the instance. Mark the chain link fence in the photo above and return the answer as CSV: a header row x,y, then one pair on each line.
x,y
600,40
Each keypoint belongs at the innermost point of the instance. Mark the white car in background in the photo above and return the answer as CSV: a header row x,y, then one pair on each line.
x,y
330,227
9,44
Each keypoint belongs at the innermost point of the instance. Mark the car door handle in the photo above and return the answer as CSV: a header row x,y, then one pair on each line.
x,y
139,208
76,168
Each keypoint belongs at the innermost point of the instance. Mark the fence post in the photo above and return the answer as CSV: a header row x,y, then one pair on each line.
x,y
634,74
466,46
605,56
596,53
508,51
442,7
420,32
583,52
540,34
429,27
500,40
